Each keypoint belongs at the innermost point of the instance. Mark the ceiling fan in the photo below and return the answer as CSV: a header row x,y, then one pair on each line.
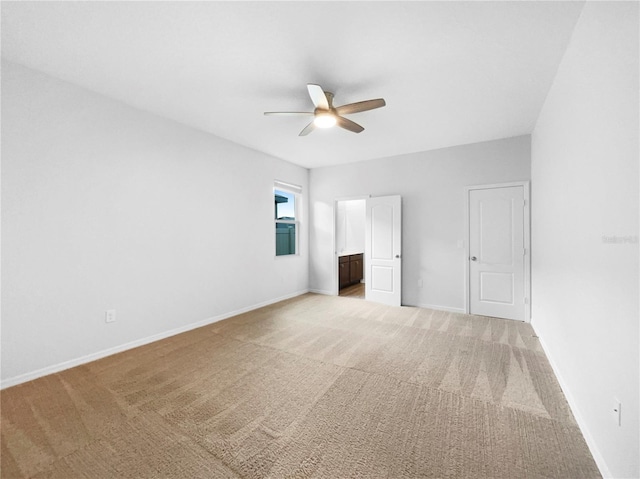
x,y
326,115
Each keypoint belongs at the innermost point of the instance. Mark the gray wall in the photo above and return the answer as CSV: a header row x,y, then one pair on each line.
x,y
433,209
107,207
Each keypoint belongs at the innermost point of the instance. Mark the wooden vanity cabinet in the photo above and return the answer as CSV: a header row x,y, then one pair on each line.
x,y
351,269
355,268
345,274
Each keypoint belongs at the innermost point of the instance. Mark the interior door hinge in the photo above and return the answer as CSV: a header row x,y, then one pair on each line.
x,y
524,251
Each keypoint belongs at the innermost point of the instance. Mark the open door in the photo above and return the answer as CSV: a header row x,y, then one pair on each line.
x,y
383,241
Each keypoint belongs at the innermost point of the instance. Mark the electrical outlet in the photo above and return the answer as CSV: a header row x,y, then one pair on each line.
x,y
617,412
110,316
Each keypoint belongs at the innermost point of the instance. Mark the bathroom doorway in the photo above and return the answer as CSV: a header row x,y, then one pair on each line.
x,y
350,244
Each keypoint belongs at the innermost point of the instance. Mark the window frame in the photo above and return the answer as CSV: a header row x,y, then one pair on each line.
x,y
295,191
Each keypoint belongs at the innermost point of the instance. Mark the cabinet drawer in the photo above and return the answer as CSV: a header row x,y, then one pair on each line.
x,y
356,257
343,259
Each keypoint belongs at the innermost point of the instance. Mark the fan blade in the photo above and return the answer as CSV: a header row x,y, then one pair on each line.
x,y
348,124
318,97
289,113
360,106
308,129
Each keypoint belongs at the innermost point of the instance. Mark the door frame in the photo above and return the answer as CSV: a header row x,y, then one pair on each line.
x,y
336,272
527,242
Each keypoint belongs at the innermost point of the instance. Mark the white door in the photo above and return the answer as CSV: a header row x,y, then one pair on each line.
x,y
497,252
382,252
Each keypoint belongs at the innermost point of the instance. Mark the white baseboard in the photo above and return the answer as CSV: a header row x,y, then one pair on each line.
x,y
441,308
321,291
593,448
56,368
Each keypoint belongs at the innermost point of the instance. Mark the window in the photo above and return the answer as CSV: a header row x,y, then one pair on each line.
x,y
286,218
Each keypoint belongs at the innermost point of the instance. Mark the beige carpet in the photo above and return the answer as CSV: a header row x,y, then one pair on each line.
x,y
315,386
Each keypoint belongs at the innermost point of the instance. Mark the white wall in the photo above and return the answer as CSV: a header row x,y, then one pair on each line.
x,y
584,188
433,207
105,206
350,226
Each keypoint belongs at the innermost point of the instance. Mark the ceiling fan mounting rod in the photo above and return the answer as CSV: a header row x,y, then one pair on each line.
x,y
329,96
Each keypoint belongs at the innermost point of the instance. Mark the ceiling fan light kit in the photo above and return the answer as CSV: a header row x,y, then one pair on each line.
x,y
324,120
326,115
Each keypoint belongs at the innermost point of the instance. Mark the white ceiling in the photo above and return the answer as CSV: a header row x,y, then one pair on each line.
x,y
451,72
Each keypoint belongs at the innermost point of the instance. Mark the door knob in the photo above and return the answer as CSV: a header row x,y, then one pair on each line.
x,y
397,256
473,258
